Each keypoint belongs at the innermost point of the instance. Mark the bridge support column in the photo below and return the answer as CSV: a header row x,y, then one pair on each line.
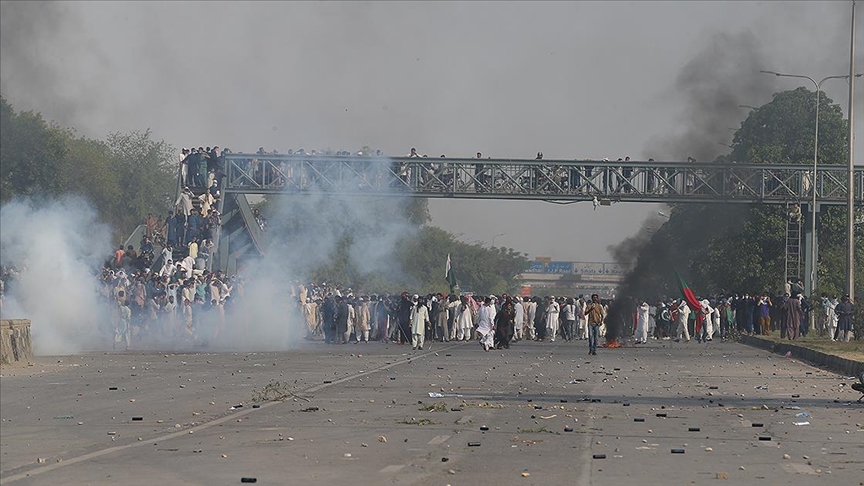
x,y
811,241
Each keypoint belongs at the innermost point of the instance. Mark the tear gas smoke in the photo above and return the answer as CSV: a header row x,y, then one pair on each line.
x,y
61,249
306,232
60,245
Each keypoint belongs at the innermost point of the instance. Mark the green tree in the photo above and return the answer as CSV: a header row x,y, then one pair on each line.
x,y
31,152
146,176
124,177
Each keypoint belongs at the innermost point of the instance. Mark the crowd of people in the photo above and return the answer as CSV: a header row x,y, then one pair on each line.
x,y
187,306
747,314
340,317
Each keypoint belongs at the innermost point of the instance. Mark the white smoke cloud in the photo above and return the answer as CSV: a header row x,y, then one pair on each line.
x,y
61,245
305,232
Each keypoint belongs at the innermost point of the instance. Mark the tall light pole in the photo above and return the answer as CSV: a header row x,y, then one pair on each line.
x,y
496,236
850,197
818,85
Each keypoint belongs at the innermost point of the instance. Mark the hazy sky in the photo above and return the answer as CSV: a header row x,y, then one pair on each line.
x,y
508,79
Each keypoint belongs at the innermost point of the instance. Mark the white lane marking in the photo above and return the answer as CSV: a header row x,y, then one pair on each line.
x,y
390,469
185,432
438,440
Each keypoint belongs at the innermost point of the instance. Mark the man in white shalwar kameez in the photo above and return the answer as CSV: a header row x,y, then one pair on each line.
x,y
581,318
486,325
683,314
552,311
642,323
530,313
464,321
520,318
707,321
419,321
831,317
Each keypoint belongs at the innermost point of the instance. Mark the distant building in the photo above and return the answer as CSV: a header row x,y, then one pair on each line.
x,y
578,277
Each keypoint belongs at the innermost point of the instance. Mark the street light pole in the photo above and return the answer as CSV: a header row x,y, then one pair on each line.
x,y
850,197
813,255
496,236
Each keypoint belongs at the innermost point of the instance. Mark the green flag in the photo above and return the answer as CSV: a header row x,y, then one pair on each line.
x,y
451,279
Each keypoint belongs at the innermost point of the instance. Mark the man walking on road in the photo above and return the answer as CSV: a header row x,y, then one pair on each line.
x,y
596,314
683,315
485,325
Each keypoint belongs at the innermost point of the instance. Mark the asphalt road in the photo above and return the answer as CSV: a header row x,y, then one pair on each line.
x,y
536,414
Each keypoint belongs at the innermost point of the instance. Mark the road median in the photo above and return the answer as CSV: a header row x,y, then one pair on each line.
x,y
839,364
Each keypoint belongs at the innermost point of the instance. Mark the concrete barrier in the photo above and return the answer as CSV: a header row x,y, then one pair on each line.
x,y
844,366
16,346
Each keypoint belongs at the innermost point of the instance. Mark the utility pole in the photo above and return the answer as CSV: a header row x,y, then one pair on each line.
x,y
850,185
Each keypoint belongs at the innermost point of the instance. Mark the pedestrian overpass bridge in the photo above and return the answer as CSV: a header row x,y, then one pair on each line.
x,y
545,180
557,181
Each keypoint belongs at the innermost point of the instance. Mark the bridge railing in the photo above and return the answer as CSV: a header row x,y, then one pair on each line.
x,y
538,179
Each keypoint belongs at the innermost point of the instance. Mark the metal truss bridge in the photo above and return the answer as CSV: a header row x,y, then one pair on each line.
x,y
560,181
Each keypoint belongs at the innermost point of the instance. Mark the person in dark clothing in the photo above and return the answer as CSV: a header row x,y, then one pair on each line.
x,y
382,315
192,225
403,317
191,168
792,308
328,318
171,225
540,320
505,324
180,224
845,313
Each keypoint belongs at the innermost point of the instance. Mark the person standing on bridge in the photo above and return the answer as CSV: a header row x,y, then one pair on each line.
x,y
481,179
596,314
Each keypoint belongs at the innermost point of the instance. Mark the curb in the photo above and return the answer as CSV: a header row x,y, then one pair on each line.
x,y
844,366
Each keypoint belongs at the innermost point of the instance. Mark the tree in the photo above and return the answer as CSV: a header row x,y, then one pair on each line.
x,y
124,178
30,151
146,175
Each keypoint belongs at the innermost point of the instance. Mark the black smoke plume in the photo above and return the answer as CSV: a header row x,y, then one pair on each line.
x,y
712,87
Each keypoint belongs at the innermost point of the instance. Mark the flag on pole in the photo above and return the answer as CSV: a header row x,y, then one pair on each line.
x,y
691,299
451,279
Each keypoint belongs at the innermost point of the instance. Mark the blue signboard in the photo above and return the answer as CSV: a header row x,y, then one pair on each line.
x,y
559,267
536,267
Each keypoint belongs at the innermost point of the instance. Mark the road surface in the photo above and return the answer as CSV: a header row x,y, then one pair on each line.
x,y
536,414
